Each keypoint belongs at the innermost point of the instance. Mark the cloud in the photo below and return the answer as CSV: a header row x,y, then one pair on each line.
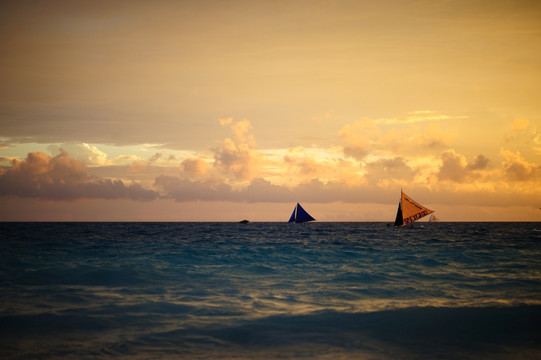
x,y
124,159
300,165
433,137
91,155
63,178
236,171
371,137
315,191
359,137
155,157
225,122
519,124
241,129
238,157
523,135
387,172
305,165
194,167
186,190
411,142
480,162
455,167
261,190
516,168
356,152
6,159
420,116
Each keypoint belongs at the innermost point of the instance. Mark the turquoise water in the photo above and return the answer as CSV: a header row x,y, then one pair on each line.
x,y
270,290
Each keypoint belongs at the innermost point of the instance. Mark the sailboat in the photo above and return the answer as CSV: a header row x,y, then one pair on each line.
x,y
433,218
300,215
409,211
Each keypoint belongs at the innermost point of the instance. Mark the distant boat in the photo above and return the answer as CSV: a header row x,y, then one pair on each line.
x,y
300,215
409,211
244,221
433,218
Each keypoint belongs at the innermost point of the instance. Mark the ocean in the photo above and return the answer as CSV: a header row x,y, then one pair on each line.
x,y
270,291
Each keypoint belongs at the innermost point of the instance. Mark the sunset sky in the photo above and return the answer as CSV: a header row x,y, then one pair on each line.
x,y
231,110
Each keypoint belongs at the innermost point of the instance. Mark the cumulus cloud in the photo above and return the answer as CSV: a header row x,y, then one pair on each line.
x,y
480,162
237,171
516,168
356,152
238,157
386,172
194,167
240,130
63,178
455,167
299,165
304,164
91,155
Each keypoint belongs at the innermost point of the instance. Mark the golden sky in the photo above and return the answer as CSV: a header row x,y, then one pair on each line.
x,y
223,110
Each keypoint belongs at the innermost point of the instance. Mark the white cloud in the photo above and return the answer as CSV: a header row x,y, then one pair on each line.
x,y
91,155
419,117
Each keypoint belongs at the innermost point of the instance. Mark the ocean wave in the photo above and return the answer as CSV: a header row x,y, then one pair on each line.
x,y
411,333
216,290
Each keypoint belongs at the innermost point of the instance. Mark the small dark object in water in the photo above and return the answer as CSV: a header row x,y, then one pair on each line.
x,y
244,221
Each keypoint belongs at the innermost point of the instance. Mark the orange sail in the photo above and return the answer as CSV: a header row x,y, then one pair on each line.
x,y
409,211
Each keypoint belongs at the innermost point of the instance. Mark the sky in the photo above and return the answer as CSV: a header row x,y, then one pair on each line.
x,y
231,110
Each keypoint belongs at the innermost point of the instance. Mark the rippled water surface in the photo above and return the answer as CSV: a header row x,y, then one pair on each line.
x,y
270,290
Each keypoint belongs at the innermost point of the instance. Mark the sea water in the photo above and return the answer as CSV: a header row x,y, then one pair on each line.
x,y
270,290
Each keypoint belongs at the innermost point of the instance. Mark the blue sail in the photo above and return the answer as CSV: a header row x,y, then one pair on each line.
x,y
292,218
302,215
